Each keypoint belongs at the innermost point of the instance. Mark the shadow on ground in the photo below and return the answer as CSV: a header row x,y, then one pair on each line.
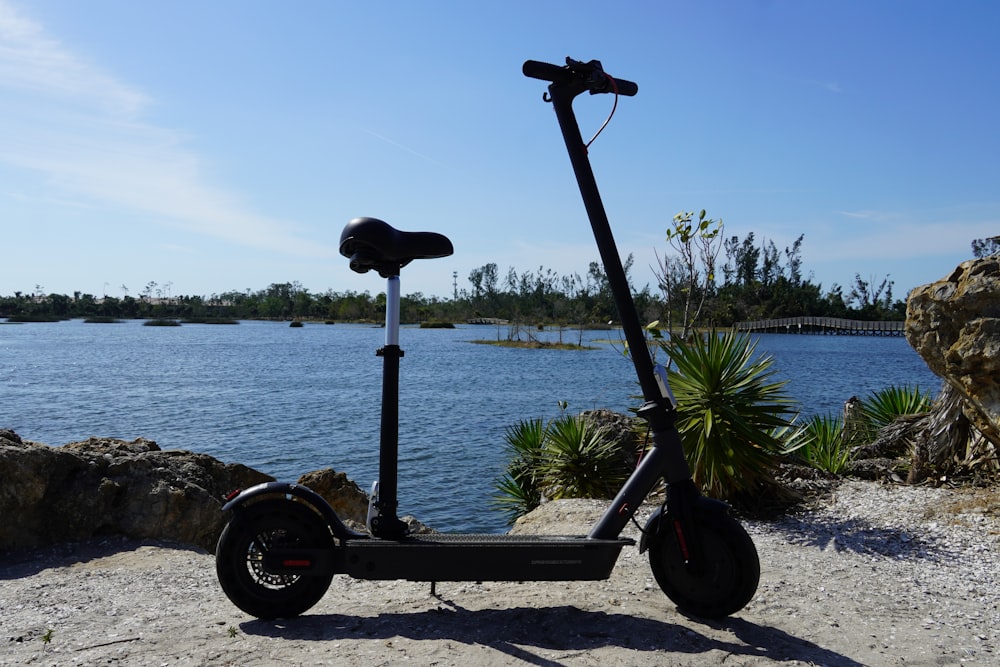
x,y
518,632
18,563
859,536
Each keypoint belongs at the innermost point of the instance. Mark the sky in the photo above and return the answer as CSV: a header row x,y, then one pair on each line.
x,y
208,147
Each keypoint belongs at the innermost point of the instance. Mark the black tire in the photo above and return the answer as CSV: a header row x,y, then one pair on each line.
x,y
239,558
728,578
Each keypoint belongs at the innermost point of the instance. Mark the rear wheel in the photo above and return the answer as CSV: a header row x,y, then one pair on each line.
x,y
726,579
239,558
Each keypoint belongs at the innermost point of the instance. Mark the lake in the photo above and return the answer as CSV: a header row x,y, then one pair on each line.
x,y
287,401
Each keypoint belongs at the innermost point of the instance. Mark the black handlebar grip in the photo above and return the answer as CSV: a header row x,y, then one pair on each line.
x,y
545,71
628,88
561,74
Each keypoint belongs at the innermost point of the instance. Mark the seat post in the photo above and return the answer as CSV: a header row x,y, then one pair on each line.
x,y
387,523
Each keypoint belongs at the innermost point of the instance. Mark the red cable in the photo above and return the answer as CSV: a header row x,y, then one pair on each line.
x,y
614,86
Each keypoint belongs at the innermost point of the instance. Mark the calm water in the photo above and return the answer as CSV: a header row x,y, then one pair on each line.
x,y
287,401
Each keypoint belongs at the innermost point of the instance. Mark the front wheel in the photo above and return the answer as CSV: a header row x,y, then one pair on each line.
x,y
239,558
726,579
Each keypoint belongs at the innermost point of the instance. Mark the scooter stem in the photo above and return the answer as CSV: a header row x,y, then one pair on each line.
x,y
386,523
562,103
657,411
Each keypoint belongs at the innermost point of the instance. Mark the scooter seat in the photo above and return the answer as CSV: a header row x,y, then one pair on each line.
x,y
371,243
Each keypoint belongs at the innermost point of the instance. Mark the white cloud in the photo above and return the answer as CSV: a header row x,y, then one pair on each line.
x,y
83,129
32,61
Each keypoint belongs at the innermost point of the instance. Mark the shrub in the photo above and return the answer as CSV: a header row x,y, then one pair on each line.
x,y
519,489
566,458
730,411
580,461
822,444
882,407
826,442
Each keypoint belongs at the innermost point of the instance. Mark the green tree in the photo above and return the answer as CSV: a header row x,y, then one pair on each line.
x,y
689,281
871,301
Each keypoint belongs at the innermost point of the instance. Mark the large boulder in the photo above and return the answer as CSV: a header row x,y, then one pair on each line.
x,y
105,486
954,325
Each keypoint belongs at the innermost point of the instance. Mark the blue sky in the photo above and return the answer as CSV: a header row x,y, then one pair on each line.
x,y
222,145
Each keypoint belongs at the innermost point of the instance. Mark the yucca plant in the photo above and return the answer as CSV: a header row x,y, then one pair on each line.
x,y
519,486
580,461
730,408
822,444
565,458
882,407
516,497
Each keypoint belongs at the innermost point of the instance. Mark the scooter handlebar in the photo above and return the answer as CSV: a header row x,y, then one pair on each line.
x,y
591,75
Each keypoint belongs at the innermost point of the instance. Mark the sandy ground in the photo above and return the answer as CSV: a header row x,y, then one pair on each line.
x,y
876,576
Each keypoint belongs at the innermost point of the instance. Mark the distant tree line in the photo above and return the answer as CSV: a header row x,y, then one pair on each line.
x,y
745,279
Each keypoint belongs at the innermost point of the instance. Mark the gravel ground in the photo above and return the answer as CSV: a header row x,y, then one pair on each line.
x,y
875,575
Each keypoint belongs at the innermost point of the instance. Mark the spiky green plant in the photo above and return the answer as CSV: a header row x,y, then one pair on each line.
x,y
564,458
730,407
580,461
822,444
519,486
882,407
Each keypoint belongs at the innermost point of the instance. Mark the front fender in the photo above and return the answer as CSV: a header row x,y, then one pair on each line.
x,y
657,521
304,494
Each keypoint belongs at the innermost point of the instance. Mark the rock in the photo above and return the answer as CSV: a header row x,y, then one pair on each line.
x,y
345,497
348,500
954,325
567,516
105,486
7,434
622,429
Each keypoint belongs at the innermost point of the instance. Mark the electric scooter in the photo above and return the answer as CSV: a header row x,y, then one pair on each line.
x,y
283,544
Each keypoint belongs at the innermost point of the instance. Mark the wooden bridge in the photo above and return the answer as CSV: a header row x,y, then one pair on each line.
x,y
835,326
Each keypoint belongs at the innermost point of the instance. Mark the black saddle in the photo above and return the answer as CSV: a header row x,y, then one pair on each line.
x,y
371,243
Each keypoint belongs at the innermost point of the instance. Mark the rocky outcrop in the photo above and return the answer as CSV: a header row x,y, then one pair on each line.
x,y
954,325
106,486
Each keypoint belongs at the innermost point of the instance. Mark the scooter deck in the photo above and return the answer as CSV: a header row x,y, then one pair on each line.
x,y
464,557
458,557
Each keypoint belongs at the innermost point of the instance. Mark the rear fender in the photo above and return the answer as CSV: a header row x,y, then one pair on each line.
x,y
303,494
